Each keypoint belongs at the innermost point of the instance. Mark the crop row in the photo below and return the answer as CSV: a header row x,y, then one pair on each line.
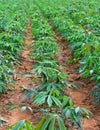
x,y
13,19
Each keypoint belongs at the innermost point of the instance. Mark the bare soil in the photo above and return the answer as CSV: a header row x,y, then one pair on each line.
x,y
81,96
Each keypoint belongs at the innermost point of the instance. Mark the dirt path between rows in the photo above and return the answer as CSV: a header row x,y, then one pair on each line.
x,y
81,96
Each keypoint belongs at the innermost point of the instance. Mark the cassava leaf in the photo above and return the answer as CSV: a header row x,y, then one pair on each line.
x,y
57,101
61,123
49,101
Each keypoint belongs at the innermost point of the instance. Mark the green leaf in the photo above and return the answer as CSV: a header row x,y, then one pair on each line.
x,y
39,125
47,121
40,98
49,101
19,125
52,123
57,102
12,107
29,126
61,123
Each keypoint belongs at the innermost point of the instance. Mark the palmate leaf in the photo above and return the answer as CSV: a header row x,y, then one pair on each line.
x,y
66,101
61,123
22,125
47,73
51,122
50,98
38,127
52,75
46,123
39,98
57,101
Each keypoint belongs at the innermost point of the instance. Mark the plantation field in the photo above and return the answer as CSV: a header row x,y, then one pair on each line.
x,y
50,65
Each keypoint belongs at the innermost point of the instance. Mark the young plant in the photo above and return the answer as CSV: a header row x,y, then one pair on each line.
x,y
51,98
52,75
72,113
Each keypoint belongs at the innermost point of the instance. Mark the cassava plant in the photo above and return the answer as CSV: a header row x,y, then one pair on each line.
x,y
43,50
